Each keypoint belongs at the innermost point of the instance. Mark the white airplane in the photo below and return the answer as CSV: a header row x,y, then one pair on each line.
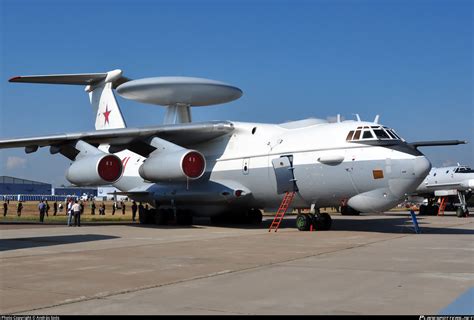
x,y
445,182
223,168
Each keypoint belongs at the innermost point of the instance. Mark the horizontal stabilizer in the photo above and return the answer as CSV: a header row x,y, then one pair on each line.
x,y
84,79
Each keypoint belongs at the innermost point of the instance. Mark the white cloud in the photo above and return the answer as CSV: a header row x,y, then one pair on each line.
x,y
15,162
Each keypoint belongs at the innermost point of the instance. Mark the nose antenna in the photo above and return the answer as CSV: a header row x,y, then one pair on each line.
x,y
376,120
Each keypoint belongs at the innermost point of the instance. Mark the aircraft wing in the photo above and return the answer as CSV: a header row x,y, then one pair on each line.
x,y
134,139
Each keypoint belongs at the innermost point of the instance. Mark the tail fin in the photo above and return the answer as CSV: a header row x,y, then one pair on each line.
x,y
100,88
106,107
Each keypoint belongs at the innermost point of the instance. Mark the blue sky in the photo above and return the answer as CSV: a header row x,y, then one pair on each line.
x,y
409,61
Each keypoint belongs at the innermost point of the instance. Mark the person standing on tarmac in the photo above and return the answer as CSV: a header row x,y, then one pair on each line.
x,y
55,208
42,210
19,207
47,208
92,207
134,210
76,209
5,208
114,206
123,207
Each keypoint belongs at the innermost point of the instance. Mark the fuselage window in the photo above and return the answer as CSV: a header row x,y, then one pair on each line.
x,y
349,135
367,135
381,134
254,129
356,135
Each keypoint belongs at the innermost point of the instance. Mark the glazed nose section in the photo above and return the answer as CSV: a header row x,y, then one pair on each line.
x,y
421,167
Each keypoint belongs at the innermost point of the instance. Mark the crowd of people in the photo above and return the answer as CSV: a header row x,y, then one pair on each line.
x,y
74,209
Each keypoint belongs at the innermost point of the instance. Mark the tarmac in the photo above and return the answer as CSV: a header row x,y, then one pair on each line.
x,y
370,264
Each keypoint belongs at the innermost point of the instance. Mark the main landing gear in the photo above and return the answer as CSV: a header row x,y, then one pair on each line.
x,y
182,217
251,216
319,221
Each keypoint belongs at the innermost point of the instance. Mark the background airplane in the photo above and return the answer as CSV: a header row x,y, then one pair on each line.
x,y
449,182
223,168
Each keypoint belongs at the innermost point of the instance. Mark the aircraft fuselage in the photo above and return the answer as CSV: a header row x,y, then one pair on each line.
x,y
253,166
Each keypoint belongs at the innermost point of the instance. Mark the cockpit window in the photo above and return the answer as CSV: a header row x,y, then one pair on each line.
x,y
372,133
381,134
367,135
395,134
356,135
464,170
349,135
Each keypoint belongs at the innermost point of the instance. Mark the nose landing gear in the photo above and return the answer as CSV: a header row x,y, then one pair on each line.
x,y
319,221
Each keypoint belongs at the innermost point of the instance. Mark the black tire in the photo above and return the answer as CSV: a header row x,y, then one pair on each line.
x,y
160,216
184,217
434,210
255,216
349,211
303,222
322,221
143,217
460,212
219,219
422,210
344,210
327,221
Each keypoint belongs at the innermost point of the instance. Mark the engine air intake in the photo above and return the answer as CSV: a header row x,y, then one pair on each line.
x,y
110,168
193,164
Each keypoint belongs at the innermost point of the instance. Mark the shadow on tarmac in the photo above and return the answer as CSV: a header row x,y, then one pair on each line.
x,y
23,243
396,223
382,225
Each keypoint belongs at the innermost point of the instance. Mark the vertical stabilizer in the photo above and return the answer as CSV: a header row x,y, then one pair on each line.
x,y
100,88
108,114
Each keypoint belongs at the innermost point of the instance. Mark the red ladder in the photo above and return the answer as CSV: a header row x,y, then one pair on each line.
x,y
442,206
285,203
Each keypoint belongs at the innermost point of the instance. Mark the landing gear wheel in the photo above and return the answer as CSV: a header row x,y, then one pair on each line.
x,y
322,221
161,216
349,211
217,220
184,217
460,212
422,210
434,210
255,216
303,222
143,217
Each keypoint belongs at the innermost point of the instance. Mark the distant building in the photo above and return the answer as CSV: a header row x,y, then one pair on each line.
x,y
10,186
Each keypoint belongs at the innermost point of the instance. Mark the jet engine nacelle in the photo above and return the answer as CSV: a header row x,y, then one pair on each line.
x,y
178,165
94,170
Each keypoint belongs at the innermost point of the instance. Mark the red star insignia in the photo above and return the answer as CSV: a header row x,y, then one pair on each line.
x,y
106,114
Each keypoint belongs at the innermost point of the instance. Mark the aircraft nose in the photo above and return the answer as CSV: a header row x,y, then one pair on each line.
x,y
421,167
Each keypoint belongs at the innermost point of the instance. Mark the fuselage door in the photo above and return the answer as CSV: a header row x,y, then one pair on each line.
x,y
285,179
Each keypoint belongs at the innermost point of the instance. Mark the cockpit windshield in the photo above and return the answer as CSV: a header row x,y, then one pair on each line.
x,y
464,170
372,133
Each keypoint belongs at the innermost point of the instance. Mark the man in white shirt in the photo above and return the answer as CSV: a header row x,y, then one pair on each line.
x,y
76,210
